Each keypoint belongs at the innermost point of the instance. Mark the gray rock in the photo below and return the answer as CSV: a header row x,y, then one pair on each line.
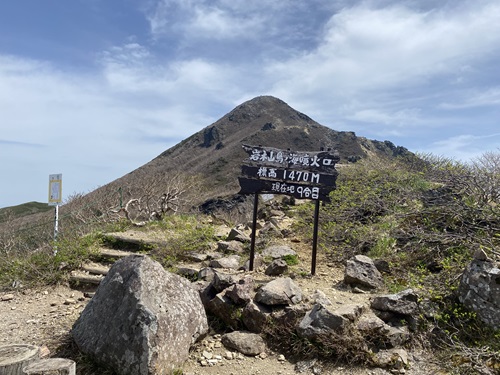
x,y
230,262
370,324
206,291
403,303
195,257
189,273
393,308
319,321
278,251
223,308
206,274
237,235
223,281
242,292
479,289
244,342
394,337
305,366
230,247
396,359
258,262
142,319
361,271
351,312
281,291
255,316
276,268
319,297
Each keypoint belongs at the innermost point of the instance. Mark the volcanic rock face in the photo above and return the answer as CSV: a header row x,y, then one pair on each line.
x,y
214,154
480,289
142,319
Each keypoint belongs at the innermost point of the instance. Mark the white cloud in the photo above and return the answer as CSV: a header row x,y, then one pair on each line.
x,y
386,64
475,98
463,147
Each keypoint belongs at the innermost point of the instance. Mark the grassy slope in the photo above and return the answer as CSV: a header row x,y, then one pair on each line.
x,y
25,209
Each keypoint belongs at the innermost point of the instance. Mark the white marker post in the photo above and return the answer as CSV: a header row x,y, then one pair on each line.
x,y
55,198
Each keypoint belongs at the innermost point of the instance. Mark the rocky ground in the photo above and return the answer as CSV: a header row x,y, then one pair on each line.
x,y
44,317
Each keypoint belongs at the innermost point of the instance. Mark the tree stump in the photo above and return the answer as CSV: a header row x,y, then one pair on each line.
x,y
16,356
51,366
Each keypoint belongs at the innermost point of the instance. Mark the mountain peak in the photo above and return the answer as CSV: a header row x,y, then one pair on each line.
x,y
215,153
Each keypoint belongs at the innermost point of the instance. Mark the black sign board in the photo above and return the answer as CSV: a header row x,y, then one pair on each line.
x,y
301,174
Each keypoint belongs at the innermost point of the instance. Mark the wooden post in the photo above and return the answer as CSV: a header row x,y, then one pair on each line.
x,y
315,238
16,356
52,366
254,230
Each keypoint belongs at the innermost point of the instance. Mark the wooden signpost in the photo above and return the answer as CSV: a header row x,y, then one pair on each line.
x,y
300,174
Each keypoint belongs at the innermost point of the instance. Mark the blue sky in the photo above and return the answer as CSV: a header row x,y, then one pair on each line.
x,y
93,89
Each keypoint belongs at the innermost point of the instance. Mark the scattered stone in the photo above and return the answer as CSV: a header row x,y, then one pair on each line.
x,y
69,301
320,297
258,262
361,271
230,262
237,235
281,291
404,302
195,257
255,315
303,366
250,344
276,268
278,251
242,292
223,281
7,297
319,321
230,247
392,359
206,273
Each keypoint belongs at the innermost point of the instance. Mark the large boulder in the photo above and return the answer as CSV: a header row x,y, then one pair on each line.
x,y
480,289
142,319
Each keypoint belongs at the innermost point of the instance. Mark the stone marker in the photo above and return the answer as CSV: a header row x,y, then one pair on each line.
x,y
14,357
51,366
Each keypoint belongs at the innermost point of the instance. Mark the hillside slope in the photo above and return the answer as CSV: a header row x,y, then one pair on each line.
x,y
215,153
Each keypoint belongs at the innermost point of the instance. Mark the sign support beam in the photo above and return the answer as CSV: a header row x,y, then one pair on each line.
x,y
254,230
315,238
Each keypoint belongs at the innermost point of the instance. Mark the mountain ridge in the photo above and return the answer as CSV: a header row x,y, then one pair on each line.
x,y
215,153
